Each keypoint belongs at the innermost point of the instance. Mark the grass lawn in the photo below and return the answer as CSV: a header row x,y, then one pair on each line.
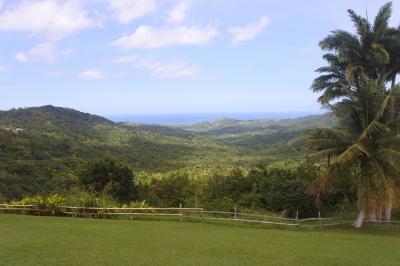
x,y
29,240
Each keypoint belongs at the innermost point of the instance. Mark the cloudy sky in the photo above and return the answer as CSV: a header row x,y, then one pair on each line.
x,y
167,56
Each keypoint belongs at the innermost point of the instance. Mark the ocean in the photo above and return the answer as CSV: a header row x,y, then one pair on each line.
x,y
189,119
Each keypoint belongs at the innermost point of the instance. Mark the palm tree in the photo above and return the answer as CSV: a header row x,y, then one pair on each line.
x,y
373,50
355,90
363,142
333,81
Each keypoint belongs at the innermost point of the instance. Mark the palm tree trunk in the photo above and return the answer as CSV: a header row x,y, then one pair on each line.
x,y
387,211
372,217
379,212
360,219
362,211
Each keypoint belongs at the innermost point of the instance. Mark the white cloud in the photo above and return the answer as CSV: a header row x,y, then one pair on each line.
x,y
128,10
44,52
171,69
149,37
21,57
178,12
249,31
126,59
50,19
91,74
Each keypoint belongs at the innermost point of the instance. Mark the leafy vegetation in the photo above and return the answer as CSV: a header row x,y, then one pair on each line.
x,y
66,152
110,177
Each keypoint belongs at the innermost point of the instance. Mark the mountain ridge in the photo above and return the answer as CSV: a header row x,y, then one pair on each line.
x,y
49,146
58,133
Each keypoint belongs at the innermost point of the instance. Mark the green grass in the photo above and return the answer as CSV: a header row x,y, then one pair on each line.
x,y
29,240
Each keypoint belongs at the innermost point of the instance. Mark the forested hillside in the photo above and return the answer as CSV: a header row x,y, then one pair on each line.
x,y
47,147
228,126
60,134
260,135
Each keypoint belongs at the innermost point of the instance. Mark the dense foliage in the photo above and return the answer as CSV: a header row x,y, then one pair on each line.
x,y
66,152
110,177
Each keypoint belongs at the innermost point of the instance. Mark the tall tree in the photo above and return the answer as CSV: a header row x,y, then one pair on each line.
x,y
358,88
363,142
373,49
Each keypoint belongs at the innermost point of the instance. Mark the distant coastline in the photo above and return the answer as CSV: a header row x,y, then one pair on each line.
x,y
188,119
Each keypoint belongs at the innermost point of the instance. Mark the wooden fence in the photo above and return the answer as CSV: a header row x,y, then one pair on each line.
x,y
180,214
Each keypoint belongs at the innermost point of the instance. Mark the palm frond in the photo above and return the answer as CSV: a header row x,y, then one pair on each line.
x,y
382,18
394,93
389,155
374,128
352,155
337,39
361,24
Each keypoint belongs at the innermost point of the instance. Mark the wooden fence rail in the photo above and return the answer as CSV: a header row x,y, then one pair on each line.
x,y
179,213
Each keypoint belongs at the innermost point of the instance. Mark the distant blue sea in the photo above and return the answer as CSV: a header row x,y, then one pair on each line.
x,y
188,119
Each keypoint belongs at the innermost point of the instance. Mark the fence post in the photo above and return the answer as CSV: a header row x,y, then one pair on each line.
x,y
297,217
320,220
235,215
180,212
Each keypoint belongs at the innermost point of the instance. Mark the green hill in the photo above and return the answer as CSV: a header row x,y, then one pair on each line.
x,y
46,147
54,133
236,127
265,136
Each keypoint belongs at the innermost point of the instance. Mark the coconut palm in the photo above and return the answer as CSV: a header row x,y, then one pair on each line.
x,y
365,142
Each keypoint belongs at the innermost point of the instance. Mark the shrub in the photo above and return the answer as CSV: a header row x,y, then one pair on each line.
x,y
223,191
88,199
110,177
51,203
170,191
137,204
287,196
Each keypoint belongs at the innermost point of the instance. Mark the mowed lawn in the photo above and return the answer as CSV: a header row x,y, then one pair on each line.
x,y
30,240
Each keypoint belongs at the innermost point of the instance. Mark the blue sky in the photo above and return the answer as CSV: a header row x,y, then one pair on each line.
x,y
167,56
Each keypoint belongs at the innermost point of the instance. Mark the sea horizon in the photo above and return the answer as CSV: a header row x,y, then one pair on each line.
x,y
195,118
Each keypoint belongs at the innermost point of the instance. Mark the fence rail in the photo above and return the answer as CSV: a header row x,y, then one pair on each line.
x,y
178,213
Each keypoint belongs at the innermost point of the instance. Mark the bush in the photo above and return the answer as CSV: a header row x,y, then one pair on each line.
x,y
288,196
110,177
223,191
172,190
137,204
88,200
52,202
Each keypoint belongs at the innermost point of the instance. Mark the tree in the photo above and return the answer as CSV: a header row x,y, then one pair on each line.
x,y
172,190
365,142
223,191
373,50
284,190
110,177
354,89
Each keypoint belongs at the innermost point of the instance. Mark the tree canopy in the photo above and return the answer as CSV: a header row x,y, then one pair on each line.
x,y
110,177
